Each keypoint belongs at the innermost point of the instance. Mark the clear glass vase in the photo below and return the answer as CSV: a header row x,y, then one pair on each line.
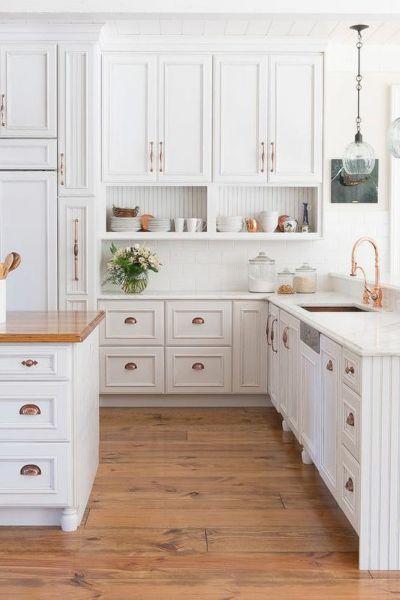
x,y
135,285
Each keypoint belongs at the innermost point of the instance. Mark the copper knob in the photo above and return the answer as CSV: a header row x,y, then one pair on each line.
x,y
130,321
350,419
329,365
131,366
29,363
349,370
198,321
198,366
30,409
349,485
30,470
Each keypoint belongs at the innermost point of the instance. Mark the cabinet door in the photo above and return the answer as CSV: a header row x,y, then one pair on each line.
x,y
184,118
240,118
273,355
28,218
288,368
28,89
309,399
76,254
77,118
330,403
249,347
295,118
129,117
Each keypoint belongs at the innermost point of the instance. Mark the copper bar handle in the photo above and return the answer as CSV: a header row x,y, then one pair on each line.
x,y
273,336
30,470
62,168
198,321
267,329
29,363
350,419
161,157
2,110
285,338
151,157
329,365
131,366
130,321
349,370
349,485
30,409
76,249
272,157
198,366
262,157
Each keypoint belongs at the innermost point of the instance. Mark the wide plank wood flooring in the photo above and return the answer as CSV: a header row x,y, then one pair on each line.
x,y
195,504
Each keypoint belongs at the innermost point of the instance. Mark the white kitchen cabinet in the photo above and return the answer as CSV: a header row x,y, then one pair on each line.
x,y
198,370
28,90
240,118
295,118
184,118
132,323
18,154
129,117
138,370
199,323
28,225
77,118
249,374
309,393
273,355
330,415
288,370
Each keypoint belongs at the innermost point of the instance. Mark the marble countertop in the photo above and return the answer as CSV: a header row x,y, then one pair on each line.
x,y
187,295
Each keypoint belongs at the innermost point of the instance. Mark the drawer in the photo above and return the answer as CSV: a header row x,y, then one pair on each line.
x,y
35,412
132,370
349,487
199,322
132,322
35,474
28,154
31,362
352,370
350,421
199,370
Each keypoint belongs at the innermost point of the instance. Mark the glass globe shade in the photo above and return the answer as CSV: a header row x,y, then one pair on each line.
x,y
359,158
393,138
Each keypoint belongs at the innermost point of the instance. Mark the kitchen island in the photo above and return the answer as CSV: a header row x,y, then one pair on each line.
x,y
49,432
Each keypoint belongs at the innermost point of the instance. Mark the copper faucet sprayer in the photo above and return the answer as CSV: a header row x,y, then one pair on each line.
x,y
374,294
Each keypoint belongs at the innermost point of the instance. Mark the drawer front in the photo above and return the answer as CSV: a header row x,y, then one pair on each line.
x,y
35,412
132,323
349,487
350,421
352,370
132,370
19,154
202,323
199,370
35,474
31,362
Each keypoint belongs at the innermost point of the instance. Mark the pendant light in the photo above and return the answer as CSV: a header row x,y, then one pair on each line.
x,y
359,157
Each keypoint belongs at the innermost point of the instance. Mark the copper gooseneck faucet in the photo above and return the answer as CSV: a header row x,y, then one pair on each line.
x,y
374,294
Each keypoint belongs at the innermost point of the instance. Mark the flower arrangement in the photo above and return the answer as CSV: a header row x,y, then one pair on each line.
x,y
129,267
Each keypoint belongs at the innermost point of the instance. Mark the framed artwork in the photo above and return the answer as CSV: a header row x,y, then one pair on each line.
x,y
350,189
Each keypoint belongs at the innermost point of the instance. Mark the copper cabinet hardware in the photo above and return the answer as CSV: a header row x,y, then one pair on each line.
x,y
151,157
76,249
273,335
62,168
161,157
349,370
198,366
350,419
130,321
349,485
131,366
30,470
30,409
2,111
198,321
267,329
285,338
262,157
29,363
272,157
329,365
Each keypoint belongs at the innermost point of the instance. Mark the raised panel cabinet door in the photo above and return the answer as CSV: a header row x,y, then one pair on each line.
x,y
295,118
309,399
184,118
330,411
250,347
28,90
240,118
129,117
77,118
290,333
28,225
76,253
273,354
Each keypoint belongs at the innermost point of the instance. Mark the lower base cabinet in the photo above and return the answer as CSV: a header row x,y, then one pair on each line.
x,y
249,375
132,370
198,370
309,400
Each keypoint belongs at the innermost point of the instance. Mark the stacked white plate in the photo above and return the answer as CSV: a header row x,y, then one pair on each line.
x,y
156,224
125,223
229,224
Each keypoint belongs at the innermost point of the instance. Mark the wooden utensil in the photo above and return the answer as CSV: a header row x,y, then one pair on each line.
x,y
8,261
16,261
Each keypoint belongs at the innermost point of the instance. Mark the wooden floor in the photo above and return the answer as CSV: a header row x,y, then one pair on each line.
x,y
195,504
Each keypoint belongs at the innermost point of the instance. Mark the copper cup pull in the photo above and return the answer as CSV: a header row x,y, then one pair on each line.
x,y
350,419
131,366
198,366
130,321
198,321
349,370
329,365
349,485
30,470
30,409
29,363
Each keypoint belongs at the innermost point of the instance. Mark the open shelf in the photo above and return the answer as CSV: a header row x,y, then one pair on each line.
x,y
172,235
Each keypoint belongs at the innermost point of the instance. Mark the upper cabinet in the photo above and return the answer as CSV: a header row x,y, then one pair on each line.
x,y
77,118
28,90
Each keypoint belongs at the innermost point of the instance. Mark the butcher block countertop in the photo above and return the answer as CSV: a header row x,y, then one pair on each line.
x,y
49,327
